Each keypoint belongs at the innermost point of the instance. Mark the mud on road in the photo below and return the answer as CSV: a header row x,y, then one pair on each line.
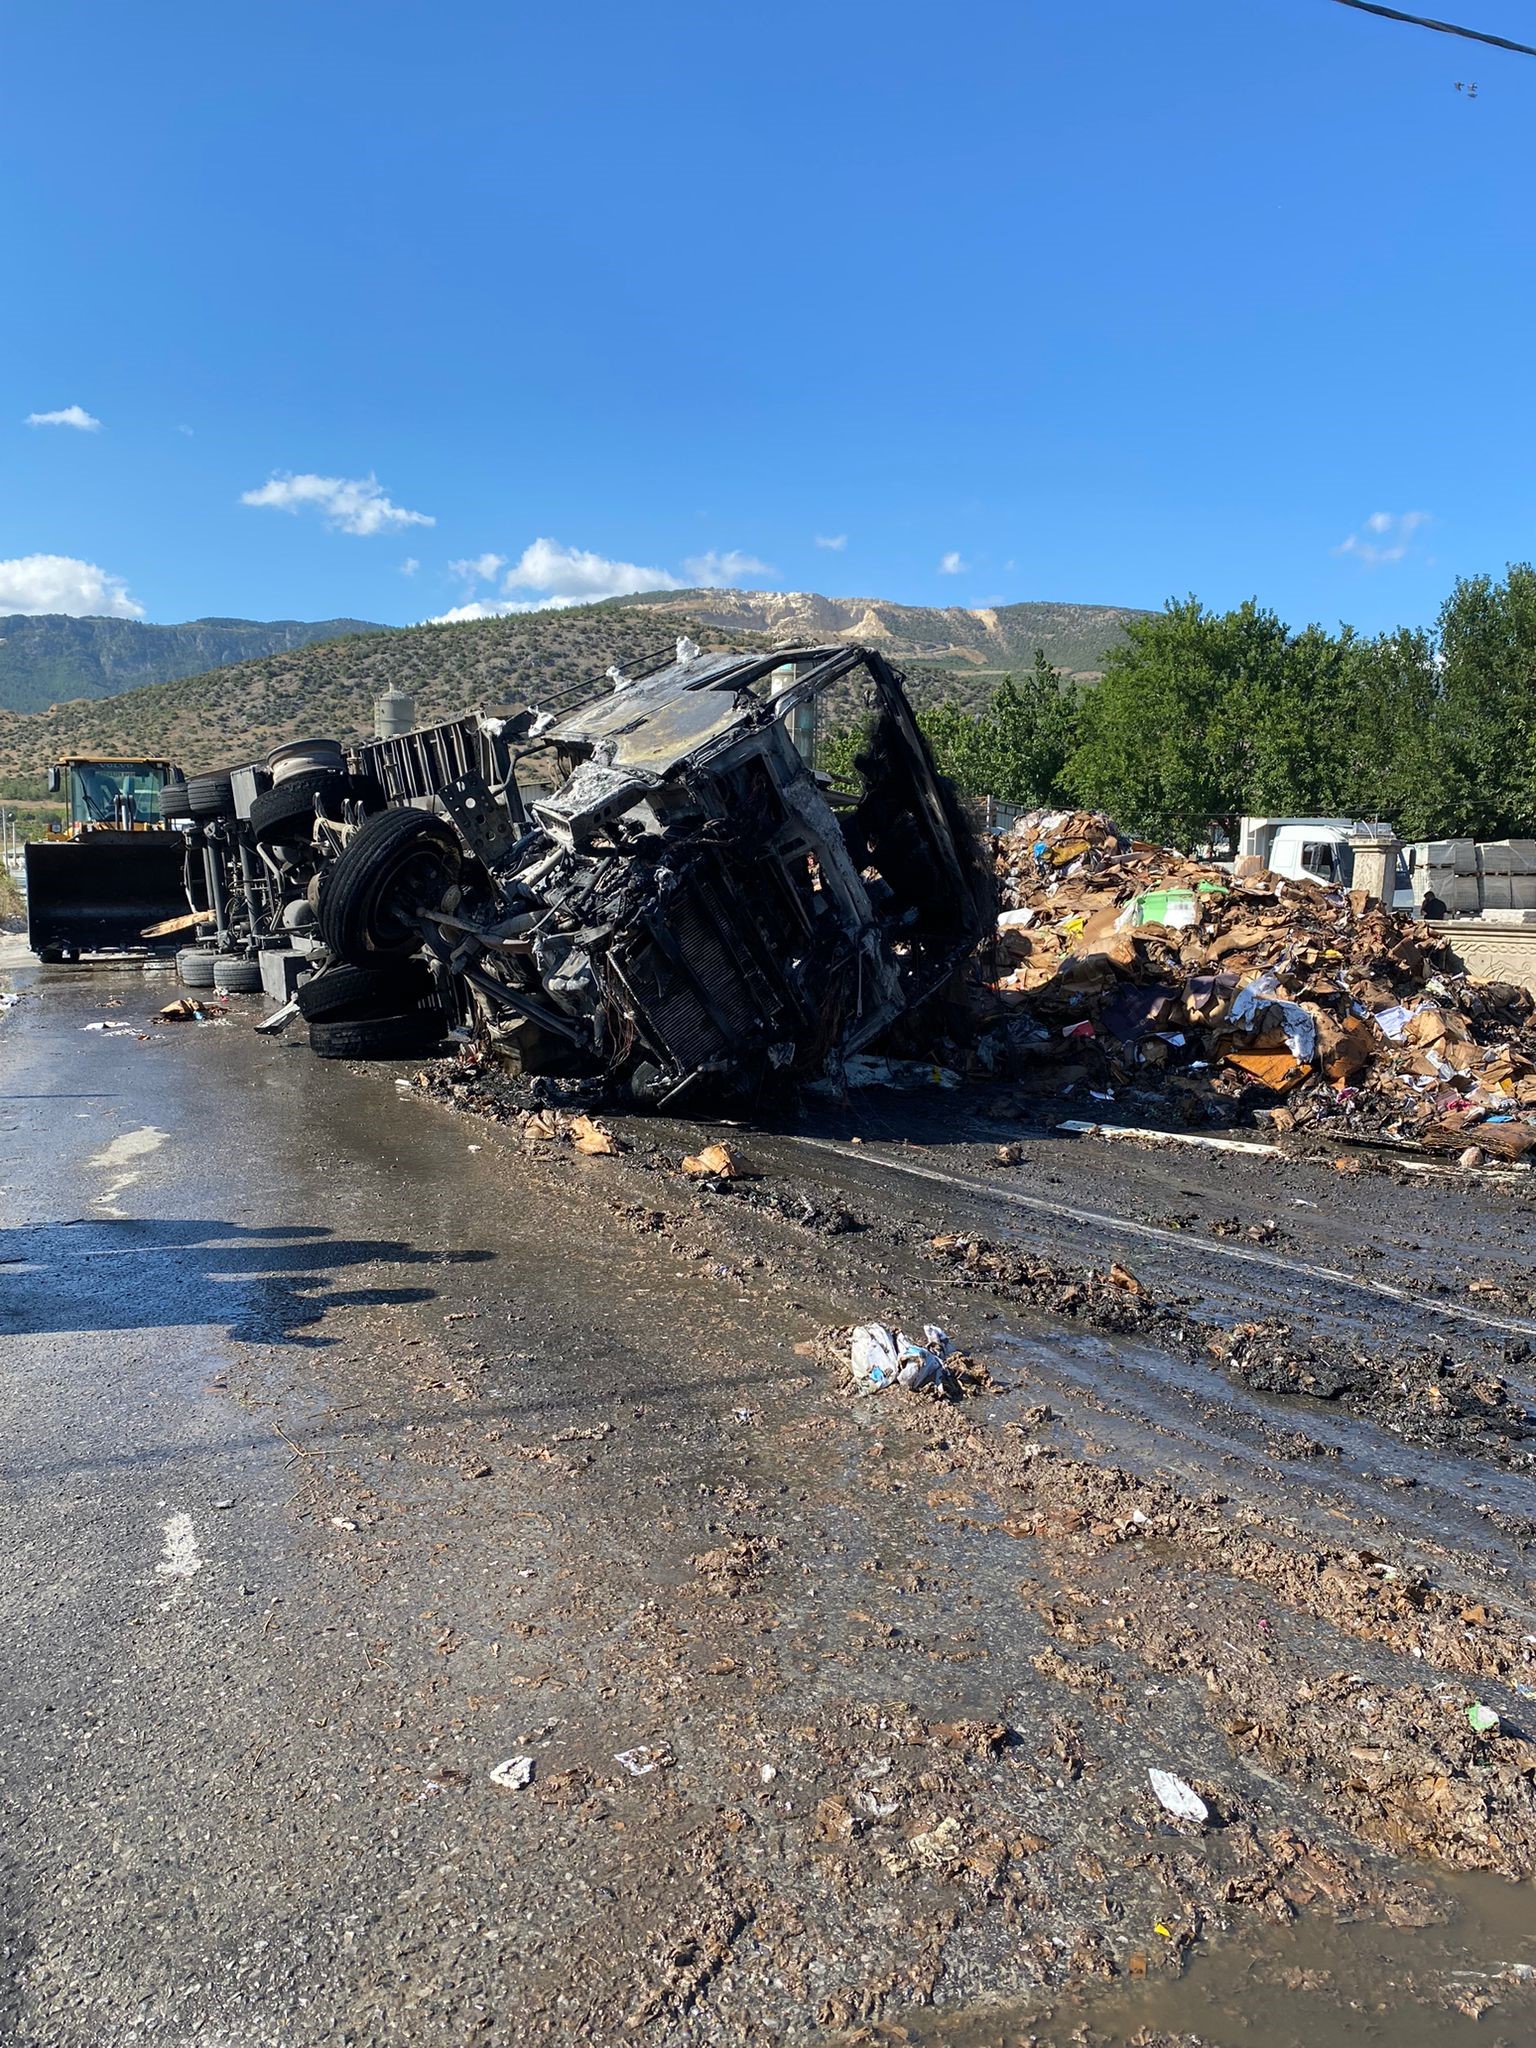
x,y
492,1449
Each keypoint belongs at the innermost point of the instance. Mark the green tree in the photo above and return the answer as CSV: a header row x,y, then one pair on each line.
x,y
1376,731
1474,767
1016,747
1202,716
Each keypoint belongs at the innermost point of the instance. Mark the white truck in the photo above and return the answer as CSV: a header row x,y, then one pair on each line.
x,y
1318,850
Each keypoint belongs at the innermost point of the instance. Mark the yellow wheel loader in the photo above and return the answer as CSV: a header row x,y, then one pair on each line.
x,y
112,868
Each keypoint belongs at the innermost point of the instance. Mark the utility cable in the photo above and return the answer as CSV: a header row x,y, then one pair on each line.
x,y
1444,28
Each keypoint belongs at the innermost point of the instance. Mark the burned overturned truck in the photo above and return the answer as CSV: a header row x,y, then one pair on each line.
x,y
654,885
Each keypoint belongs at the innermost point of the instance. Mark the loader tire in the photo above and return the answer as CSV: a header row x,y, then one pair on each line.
x,y
341,990
292,802
212,795
236,977
395,866
407,1035
195,967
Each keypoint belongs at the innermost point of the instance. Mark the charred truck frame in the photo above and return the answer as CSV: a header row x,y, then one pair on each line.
x,y
684,903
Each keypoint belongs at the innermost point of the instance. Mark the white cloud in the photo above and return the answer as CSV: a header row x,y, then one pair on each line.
x,y
185,429
951,564
350,504
560,577
478,568
1391,536
502,608
835,541
409,566
60,583
713,571
577,576
67,416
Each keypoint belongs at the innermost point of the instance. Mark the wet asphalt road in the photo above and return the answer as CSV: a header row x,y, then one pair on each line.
x,y
348,1452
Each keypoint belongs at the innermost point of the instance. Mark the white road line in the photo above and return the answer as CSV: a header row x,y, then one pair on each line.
x,y
1453,1311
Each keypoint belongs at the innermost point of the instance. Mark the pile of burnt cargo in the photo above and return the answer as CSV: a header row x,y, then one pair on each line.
x,y
643,882
1127,972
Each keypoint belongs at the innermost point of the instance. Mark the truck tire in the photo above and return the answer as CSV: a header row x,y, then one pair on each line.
x,y
211,795
405,1036
234,977
292,802
342,990
173,803
195,967
304,757
396,865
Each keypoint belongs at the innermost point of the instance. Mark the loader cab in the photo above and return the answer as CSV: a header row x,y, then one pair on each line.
x,y
108,795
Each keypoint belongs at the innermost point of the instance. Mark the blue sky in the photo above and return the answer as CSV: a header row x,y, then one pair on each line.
x,y
1094,300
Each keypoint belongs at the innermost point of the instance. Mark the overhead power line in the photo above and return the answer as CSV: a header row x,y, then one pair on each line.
x,y
1444,28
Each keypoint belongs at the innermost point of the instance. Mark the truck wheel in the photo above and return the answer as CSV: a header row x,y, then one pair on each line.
x,y
195,967
211,795
341,990
394,867
405,1036
236,977
173,802
292,801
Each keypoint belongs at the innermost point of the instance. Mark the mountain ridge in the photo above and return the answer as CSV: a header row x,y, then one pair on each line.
x,y
237,712
49,658
1073,637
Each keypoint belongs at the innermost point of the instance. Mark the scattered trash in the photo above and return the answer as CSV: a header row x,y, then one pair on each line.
x,y
514,1774
587,1135
107,1024
642,1758
876,1361
881,1357
1257,994
1482,1720
185,1010
1179,1799
717,1162
342,1522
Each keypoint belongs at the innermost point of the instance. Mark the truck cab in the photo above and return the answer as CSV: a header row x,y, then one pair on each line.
x,y
1318,850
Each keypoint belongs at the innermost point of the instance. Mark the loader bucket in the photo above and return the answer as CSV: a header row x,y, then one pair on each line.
x,y
97,893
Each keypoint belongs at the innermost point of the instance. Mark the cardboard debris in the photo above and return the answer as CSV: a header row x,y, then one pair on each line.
x,y
717,1162
588,1135
1124,971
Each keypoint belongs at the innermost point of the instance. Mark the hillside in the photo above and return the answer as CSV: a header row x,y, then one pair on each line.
x,y
236,714
51,659
1075,637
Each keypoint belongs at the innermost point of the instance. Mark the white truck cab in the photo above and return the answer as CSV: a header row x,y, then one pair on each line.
x,y
1317,850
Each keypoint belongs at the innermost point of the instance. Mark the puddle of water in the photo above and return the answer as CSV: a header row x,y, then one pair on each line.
x,y
1325,1983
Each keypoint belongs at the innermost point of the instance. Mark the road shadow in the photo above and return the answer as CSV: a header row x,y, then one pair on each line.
x,y
266,1285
